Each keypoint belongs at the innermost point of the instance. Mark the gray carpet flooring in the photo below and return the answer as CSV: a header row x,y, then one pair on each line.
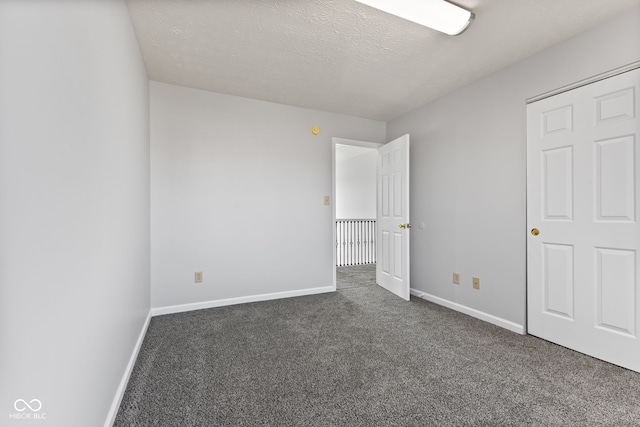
x,y
356,276
362,357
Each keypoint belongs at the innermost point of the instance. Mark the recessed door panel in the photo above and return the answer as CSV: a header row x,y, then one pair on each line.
x,y
558,280
557,194
386,160
615,179
397,156
397,261
616,290
616,106
385,252
397,195
385,196
558,120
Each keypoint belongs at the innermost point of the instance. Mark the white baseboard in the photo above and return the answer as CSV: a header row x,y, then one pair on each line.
x,y
115,405
514,327
158,311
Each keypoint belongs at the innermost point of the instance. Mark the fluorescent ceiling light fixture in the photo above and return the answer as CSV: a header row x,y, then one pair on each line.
x,y
436,14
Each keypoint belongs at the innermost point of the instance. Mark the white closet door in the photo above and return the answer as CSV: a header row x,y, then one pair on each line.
x,y
583,188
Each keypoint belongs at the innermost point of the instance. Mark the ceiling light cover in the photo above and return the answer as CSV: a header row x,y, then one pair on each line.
x,y
436,14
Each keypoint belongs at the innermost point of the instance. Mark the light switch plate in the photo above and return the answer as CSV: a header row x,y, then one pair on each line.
x,y
198,276
456,278
476,283
327,200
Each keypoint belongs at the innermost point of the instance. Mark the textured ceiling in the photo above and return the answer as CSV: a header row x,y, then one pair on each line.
x,y
342,56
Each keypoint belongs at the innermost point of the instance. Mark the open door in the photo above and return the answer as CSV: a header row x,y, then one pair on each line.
x,y
392,267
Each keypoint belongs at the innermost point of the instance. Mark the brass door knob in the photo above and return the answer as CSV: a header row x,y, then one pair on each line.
x,y
405,225
535,231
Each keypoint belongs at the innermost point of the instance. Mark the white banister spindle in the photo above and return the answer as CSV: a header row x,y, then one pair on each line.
x,y
355,241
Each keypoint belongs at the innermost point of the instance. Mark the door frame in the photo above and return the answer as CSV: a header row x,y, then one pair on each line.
x,y
341,141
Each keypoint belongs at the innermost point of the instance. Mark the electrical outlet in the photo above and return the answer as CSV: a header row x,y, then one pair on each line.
x,y
476,283
456,278
198,276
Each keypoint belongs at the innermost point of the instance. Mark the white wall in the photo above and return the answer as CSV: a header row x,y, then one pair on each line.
x,y
356,186
468,170
237,190
74,211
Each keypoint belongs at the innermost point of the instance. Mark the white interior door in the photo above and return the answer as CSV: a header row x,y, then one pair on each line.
x,y
392,266
582,197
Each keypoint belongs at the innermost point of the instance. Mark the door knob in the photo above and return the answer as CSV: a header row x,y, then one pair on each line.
x,y
535,231
405,225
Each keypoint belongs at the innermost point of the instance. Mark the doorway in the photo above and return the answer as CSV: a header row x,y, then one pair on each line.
x,y
354,195
392,229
